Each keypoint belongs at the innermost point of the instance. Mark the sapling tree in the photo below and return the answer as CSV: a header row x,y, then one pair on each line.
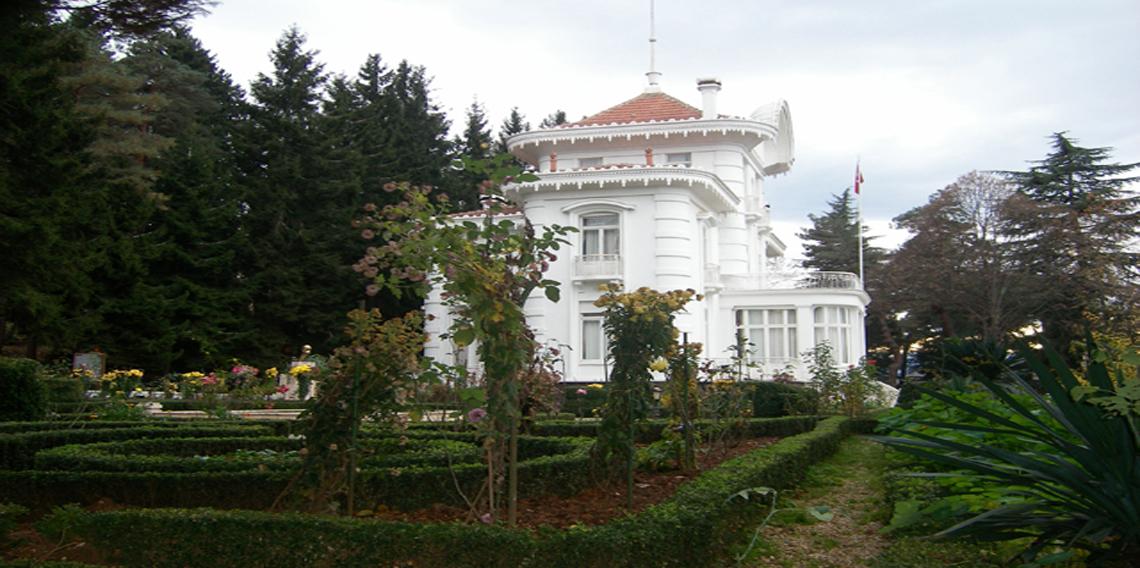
x,y
639,326
486,266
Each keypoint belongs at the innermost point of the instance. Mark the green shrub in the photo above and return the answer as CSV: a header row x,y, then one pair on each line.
x,y
694,529
1048,467
17,451
773,399
22,395
188,455
63,390
411,486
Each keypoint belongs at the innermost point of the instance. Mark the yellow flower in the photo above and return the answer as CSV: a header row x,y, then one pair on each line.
x,y
301,369
271,372
594,386
659,365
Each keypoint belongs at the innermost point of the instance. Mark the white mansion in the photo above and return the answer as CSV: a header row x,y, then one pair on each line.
x,y
669,196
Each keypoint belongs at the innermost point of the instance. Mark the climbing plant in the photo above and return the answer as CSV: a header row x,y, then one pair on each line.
x,y
486,265
371,377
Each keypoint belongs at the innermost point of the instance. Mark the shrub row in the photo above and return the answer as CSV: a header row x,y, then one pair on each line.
x,y
407,488
692,530
18,450
651,431
188,455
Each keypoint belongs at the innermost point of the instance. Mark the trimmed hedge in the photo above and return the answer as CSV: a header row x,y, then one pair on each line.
x,y
407,488
17,451
772,399
693,529
651,431
189,455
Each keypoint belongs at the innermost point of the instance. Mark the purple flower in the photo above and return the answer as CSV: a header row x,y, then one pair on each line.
x,y
476,415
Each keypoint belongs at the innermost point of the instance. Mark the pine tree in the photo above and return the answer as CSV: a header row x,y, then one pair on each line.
x,y
832,242
555,118
298,210
1078,237
513,124
201,240
44,194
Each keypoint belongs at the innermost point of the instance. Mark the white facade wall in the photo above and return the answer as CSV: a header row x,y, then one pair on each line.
x,y
703,225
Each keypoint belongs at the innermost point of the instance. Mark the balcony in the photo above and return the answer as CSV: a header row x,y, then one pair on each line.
x,y
597,267
833,280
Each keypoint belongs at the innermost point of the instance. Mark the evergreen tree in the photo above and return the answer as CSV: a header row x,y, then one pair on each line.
x,y
298,210
1078,238
200,234
44,196
554,119
475,142
832,242
513,124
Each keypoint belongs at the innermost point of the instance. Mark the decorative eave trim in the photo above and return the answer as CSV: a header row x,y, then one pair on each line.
x,y
631,130
704,183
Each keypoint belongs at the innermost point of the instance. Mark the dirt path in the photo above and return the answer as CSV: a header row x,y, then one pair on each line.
x,y
848,484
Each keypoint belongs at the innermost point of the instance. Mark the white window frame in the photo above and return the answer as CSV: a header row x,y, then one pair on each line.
x,y
594,162
835,326
679,159
601,241
771,333
593,344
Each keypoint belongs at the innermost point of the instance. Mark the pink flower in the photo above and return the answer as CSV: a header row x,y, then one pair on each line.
x,y
582,392
282,389
476,415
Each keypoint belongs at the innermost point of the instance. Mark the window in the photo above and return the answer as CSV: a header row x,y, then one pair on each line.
x,y
771,333
589,162
593,338
601,236
680,159
833,325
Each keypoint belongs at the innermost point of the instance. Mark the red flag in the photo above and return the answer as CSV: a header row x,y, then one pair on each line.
x,y
858,178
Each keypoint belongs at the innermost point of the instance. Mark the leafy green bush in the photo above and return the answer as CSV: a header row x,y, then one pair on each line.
x,y
773,399
22,395
17,451
1060,471
187,455
693,529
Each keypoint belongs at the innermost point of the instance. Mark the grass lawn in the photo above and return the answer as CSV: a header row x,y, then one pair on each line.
x,y
850,486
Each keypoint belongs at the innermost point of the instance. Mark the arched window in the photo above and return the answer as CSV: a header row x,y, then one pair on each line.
x,y
601,235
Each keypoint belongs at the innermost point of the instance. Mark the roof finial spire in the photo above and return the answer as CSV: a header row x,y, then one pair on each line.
x,y
653,75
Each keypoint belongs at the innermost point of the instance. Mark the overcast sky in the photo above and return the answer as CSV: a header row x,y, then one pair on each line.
x,y
921,91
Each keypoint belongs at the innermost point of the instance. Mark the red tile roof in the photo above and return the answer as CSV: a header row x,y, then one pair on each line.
x,y
646,107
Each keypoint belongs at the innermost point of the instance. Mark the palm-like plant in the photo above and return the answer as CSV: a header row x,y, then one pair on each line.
x,y
1078,486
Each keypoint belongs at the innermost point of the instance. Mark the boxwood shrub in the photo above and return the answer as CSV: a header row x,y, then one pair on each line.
x,y
188,455
552,467
693,529
18,450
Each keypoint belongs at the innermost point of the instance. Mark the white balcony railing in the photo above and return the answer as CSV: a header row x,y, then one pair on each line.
x,y
597,266
839,280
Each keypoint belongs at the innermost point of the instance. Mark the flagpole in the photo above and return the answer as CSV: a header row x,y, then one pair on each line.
x,y
859,205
